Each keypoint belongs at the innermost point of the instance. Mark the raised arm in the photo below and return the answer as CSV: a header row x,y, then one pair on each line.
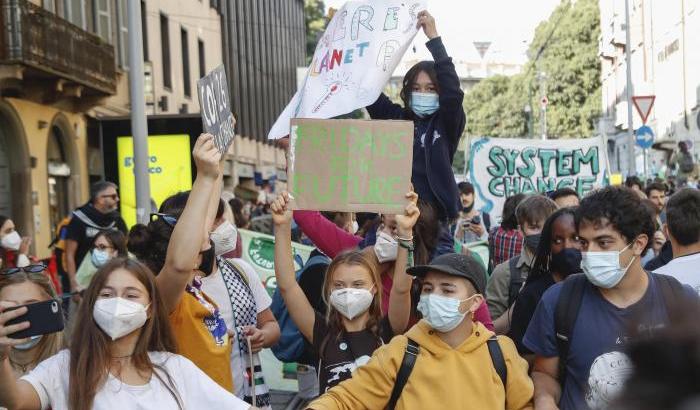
x,y
328,238
13,394
298,305
188,236
400,296
451,94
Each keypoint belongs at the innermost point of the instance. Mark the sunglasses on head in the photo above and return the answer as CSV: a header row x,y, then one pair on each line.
x,y
27,269
169,219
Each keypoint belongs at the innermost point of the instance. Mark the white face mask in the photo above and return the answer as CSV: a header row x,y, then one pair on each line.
x,y
386,248
351,302
118,317
11,241
225,237
603,268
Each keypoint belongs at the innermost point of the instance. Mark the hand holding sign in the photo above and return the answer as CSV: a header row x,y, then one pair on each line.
x,y
206,156
215,105
406,222
281,215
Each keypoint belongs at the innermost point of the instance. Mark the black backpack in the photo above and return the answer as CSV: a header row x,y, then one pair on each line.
x,y
686,163
569,303
516,279
411,354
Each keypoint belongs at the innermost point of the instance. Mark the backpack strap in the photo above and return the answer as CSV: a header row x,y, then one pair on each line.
x,y
565,314
487,221
499,362
516,279
409,360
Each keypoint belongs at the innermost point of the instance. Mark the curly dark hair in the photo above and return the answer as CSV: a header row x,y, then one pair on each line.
x,y
622,209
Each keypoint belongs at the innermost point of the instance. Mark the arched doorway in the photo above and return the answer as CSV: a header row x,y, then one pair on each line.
x,y
15,181
62,172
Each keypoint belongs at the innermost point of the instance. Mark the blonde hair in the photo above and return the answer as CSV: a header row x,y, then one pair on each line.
x,y
49,344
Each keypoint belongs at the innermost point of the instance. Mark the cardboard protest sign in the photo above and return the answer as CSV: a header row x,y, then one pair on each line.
x,y
502,167
215,105
362,45
350,165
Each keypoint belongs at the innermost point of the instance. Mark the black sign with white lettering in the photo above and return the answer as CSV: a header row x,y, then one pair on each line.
x,y
215,105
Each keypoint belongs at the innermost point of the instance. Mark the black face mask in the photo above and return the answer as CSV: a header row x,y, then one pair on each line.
x,y
566,262
467,209
208,260
532,241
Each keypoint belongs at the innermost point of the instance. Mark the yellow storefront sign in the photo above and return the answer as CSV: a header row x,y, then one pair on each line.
x,y
168,166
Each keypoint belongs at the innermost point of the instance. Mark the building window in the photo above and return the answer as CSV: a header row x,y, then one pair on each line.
x,y
103,23
74,11
165,49
123,35
49,5
144,30
202,66
185,63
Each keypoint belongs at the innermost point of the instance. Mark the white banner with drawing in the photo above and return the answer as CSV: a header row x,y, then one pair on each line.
x,y
503,167
353,61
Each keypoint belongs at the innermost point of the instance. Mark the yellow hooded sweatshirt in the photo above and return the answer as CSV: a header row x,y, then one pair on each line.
x,y
442,378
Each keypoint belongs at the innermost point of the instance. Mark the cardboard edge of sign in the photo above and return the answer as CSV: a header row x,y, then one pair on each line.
x,y
296,205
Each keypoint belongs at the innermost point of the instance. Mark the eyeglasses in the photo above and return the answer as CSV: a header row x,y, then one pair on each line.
x,y
169,219
114,197
27,269
103,247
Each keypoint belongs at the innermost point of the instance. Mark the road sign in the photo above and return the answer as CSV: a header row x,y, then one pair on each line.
x,y
544,101
644,136
643,104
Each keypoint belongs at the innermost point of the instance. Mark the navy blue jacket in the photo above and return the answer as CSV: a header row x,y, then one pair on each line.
x,y
436,137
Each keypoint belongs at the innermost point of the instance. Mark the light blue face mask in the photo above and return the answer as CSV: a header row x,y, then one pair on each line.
x,y
424,104
603,268
33,341
442,312
100,257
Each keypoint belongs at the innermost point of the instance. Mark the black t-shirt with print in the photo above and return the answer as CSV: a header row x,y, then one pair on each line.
x,y
342,355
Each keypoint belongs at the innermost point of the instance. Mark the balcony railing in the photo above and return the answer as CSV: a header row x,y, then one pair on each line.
x,y
32,36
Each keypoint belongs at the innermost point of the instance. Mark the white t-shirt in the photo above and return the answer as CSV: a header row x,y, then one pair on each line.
x,y
214,286
684,268
196,390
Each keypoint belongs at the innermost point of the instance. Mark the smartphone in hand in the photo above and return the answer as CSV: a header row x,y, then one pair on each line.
x,y
43,317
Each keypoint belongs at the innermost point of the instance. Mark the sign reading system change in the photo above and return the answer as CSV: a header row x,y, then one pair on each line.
x,y
503,167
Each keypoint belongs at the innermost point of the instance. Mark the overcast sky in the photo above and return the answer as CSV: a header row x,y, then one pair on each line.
x,y
508,24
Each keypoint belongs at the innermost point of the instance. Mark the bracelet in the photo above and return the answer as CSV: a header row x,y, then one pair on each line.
x,y
410,239
406,244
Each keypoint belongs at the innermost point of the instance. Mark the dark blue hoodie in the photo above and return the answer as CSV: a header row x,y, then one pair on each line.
x,y
435,138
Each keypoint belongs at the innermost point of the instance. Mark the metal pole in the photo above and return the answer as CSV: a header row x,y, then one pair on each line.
x,y
139,126
630,92
544,123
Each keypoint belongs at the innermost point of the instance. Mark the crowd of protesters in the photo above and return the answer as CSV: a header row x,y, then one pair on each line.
x,y
585,302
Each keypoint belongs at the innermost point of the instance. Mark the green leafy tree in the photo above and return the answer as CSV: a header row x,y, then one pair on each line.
x,y
565,48
315,16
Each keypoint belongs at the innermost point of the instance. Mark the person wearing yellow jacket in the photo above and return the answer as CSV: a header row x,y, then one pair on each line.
x,y
454,368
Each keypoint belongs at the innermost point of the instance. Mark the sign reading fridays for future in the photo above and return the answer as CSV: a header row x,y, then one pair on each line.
x,y
503,167
361,47
215,104
350,165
